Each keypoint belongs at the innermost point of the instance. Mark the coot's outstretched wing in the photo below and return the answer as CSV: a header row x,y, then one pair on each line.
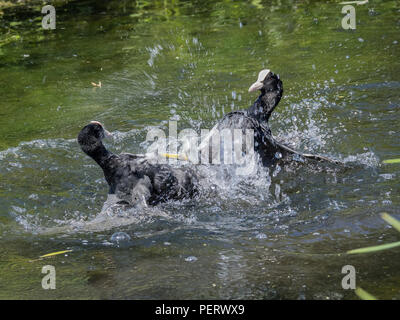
x,y
269,144
263,142
269,150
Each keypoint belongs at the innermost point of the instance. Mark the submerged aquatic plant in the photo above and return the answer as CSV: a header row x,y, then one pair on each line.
x,y
395,224
362,294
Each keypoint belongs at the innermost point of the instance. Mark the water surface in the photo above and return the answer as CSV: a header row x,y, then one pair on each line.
x,y
281,234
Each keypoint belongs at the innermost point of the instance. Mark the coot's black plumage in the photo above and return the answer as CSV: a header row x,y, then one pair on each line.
x,y
133,178
256,118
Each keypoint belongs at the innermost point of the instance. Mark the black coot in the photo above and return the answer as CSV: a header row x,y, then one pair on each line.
x,y
256,118
134,178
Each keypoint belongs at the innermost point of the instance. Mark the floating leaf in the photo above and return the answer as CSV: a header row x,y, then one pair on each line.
x,y
98,85
375,248
55,253
392,221
257,4
364,295
391,161
355,2
136,15
15,23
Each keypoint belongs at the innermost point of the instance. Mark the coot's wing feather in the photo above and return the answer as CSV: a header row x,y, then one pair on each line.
x,y
131,156
289,150
262,135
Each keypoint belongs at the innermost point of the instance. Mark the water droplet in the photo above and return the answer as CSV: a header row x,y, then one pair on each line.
x,y
191,259
261,236
120,237
34,196
278,155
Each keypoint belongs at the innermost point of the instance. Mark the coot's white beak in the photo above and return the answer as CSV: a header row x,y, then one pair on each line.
x,y
259,83
255,86
107,134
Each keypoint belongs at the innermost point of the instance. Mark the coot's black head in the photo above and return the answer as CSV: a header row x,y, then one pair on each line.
x,y
91,136
267,81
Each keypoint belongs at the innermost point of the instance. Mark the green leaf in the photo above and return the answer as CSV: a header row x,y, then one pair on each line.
x,y
391,161
364,295
375,248
257,4
392,221
15,23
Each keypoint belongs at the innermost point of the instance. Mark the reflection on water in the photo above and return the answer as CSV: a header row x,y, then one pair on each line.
x,y
280,233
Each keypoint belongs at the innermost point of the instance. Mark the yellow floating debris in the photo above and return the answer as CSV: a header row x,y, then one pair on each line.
x,y
175,156
96,84
391,161
55,253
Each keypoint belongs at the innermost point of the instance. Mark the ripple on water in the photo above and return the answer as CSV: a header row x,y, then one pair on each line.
x,y
229,202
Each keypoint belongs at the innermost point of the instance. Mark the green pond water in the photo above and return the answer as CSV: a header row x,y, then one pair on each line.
x,y
281,234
